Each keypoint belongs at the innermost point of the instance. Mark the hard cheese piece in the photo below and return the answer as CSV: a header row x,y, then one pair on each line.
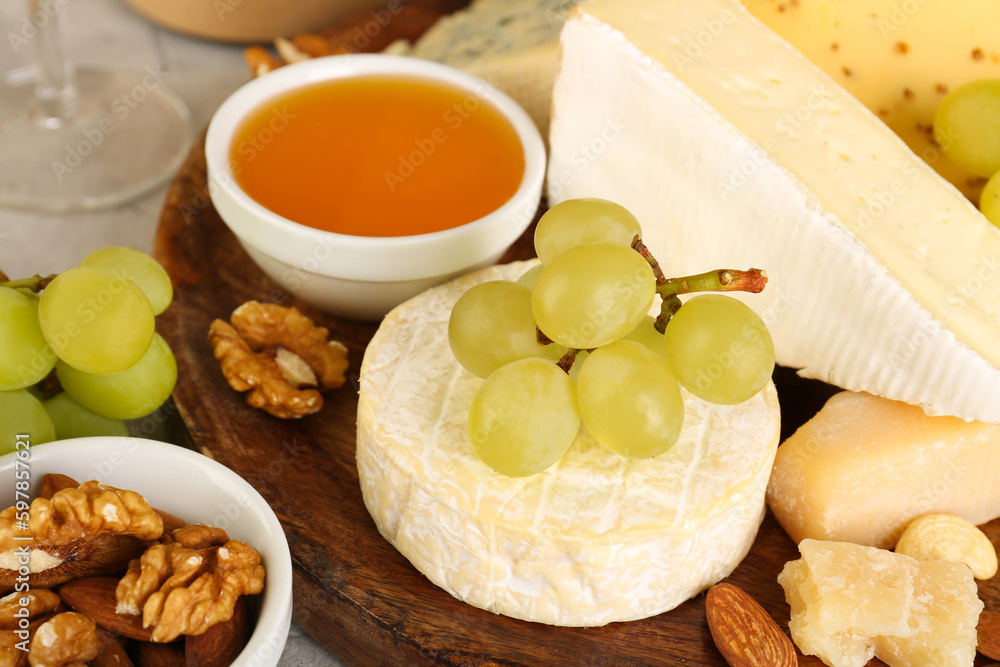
x,y
513,44
864,467
898,58
851,602
733,149
594,539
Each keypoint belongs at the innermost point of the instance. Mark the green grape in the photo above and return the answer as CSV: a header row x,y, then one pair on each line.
x,y
647,334
21,414
629,400
719,349
967,126
989,199
491,326
530,277
95,320
524,417
578,221
131,394
138,267
72,420
25,357
593,294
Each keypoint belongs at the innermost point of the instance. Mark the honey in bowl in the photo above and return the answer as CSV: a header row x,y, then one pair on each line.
x,y
378,156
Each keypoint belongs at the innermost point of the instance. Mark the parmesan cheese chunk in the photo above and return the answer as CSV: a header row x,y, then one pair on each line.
x,y
864,467
851,602
595,538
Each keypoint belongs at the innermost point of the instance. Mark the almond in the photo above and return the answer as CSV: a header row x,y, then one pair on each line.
x,y
148,654
100,556
112,653
54,481
170,522
95,597
988,632
220,644
744,632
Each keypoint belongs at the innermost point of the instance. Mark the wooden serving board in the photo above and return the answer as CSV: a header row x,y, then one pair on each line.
x,y
353,591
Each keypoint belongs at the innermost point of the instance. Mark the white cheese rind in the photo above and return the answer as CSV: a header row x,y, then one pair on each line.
x,y
596,538
860,302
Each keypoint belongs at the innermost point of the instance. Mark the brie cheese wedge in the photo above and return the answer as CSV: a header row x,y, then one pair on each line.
x,y
734,150
593,539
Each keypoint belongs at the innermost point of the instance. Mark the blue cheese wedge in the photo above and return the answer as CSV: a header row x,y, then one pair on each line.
x,y
594,539
513,44
733,149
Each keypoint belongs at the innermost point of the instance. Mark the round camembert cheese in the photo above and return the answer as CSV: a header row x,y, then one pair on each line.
x,y
594,539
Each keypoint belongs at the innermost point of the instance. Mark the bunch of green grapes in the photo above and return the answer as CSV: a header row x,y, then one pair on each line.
x,y
89,331
571,342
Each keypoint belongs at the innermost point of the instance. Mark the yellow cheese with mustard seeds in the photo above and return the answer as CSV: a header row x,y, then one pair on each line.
x,y
898,57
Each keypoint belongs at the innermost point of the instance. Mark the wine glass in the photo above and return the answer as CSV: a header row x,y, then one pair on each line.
x,y
83,138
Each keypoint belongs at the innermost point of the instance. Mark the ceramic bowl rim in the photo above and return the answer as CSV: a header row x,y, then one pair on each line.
x,y
266,224
275,612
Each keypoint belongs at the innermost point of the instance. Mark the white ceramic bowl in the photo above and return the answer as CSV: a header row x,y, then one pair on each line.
x,y
192,487
356,276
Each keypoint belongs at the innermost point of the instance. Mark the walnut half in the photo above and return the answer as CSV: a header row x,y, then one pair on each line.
x,y
279,356
179,590
65,640
89,530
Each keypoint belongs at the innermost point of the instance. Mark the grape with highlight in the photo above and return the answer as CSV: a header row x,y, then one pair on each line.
x,y
719,349
130,394
96,321
25,356
138,267
629,400
72,420
491,326
593,294
967,126
579,221
21,414
524,417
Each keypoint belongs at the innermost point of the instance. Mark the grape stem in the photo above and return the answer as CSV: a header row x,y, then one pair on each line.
x,y
35,283
566,361
720,280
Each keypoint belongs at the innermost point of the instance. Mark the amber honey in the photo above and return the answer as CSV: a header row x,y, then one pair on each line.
x,y
378,156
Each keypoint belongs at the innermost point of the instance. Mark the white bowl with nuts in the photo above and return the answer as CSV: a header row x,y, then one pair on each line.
x,y
351,274
124,547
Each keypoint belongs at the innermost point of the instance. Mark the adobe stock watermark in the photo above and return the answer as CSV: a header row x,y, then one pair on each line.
x,y
986,272
37,20
796,119
120,109
584,155
424,148
694,47
899,15
253,144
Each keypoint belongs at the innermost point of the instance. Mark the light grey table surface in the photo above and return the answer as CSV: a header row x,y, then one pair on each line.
x,y
107,33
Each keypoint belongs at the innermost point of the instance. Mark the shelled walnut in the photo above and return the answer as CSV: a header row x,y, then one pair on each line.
x,y
279,356
90,530
186,591
184,582
65,640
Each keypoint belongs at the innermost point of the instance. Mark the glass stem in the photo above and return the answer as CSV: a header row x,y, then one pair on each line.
x,y
56,91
